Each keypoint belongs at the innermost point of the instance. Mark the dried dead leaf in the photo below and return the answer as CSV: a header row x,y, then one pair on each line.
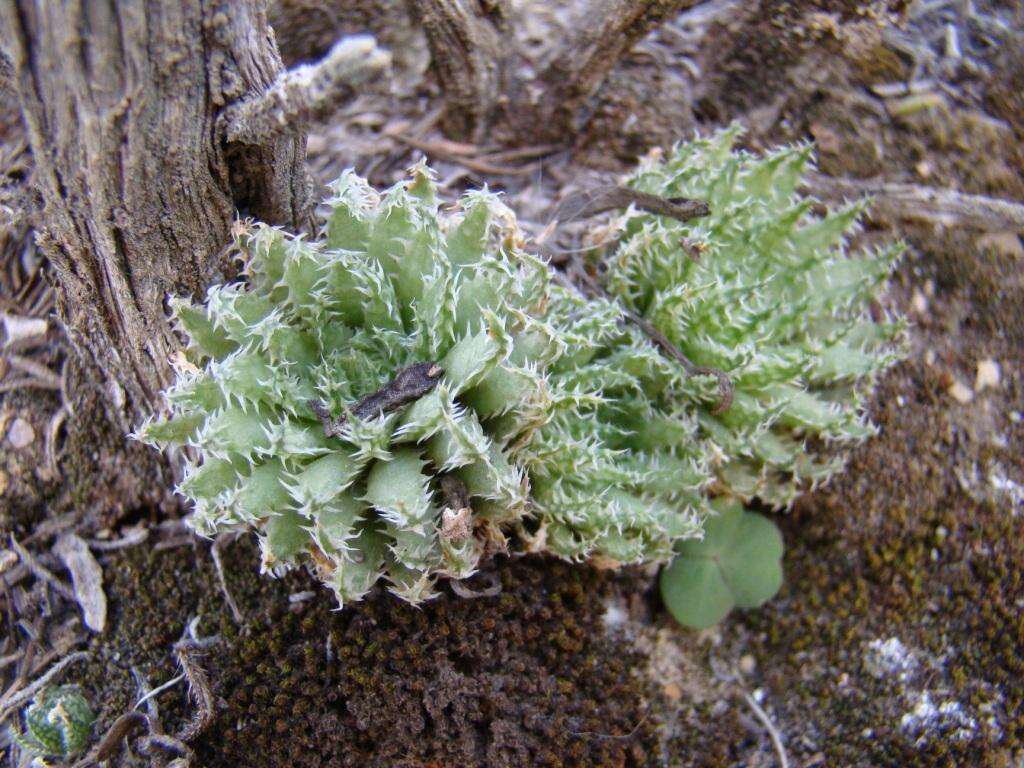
x,y
86,577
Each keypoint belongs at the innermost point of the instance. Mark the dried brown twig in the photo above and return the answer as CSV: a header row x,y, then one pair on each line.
x,y
911,202
188,652
113,738
409,384
591,202
725,385
41,572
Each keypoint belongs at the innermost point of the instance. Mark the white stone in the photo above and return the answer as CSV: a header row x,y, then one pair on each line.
x,y
21,434
889,658
987,376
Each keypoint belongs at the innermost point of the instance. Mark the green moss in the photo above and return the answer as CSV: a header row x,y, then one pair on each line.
x,y
870,564
518,679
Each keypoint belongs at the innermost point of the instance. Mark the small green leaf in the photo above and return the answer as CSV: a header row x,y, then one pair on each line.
x,y
738,564
753,563
695,592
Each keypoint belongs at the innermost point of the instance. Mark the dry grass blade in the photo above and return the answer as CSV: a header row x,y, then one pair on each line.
x,y
773,732
220,541
132,538
442,152
41,572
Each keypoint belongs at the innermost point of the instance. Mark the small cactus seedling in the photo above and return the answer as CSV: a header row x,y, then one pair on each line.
x,y
58,723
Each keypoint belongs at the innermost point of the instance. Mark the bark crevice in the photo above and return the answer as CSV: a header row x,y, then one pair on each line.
x,y
120,103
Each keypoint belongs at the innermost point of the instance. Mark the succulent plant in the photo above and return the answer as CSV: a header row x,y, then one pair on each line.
x,y
368,402
58,723
622,475
765,291
403,396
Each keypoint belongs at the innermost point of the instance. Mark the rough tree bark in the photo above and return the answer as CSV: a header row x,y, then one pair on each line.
x,y
120,102
490,89
152,124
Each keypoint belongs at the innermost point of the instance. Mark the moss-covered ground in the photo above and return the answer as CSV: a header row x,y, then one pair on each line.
x,y
526,677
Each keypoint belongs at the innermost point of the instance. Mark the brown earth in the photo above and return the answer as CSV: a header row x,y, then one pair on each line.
x,y
528,677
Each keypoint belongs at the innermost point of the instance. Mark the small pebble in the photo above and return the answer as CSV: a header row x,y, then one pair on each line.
x,y
747,664
920,302
961,392
21,434
987,376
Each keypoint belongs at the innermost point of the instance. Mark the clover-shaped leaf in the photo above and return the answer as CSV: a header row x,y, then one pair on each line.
x,y
737,564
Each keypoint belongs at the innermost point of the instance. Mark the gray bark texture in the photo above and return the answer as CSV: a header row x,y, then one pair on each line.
x,y
120,103
490,92
466,49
